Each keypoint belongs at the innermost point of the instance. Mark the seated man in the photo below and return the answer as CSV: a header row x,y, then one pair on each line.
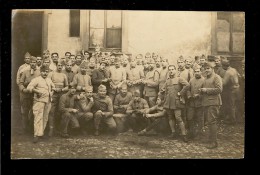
x,y
135,111
84,104
103,111
158,113
120,105
68,111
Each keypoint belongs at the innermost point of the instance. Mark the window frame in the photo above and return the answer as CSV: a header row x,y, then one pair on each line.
x,y
70,24
105,32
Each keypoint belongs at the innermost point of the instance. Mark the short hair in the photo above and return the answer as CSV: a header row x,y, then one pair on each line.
x,y
102,87
171,65
44,68
68,53
54,53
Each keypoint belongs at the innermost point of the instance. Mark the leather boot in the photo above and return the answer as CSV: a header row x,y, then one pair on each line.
x,y
212,145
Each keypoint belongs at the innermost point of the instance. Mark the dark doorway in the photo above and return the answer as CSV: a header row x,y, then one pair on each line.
x,y
26,37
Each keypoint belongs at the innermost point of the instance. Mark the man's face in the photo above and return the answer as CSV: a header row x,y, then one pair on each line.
x,y
164,63
117,64
151,65
63,60
208,70
158,101
125,61
102,92
46,63
112,59
202,61
86,55
133,64
92,63
180,64
83,70
38,60
145,64
44,74
55,58
102,66
67,55
188,64
136,97
138,61
158,63
197,73
78,60
68,66
217,62
33,64
59,66
89,93
72,91
27,60
124,90
46,55
73,59
172,71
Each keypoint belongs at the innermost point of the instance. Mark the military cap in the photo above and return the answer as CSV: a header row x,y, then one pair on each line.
x,y
124,85
89,89
33,58
117,60
196,67
83,64
148,54
181,58
27,54
188,59
151,60
102,87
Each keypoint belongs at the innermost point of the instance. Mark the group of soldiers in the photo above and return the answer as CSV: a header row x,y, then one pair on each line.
x,y
96,92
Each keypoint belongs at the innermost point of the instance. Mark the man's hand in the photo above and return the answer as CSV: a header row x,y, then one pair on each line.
x,y
26,91
148,115
91,99
105,80
196,95
203,90
74,110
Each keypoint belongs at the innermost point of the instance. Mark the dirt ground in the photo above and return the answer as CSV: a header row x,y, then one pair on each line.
x,y
128,146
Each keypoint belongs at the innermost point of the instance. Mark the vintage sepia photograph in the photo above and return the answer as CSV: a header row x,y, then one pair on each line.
x,y
127,84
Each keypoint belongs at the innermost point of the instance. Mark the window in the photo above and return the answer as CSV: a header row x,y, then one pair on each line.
x,y
74,23
230,34
105,29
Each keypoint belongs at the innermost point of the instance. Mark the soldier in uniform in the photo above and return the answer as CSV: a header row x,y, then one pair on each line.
x,y
75,67
135,111
81,80
67,55
54,62
134,77
151,82
231,89
23,67
120,105
211,102
100,76
163,73
103,111
218,69
60,81
68,72
175,88
26,98
194,104
38,62
42,88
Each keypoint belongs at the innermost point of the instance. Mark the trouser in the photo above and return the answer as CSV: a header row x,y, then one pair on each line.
x,y
76,120
137,122
151,101
26,106
211,114
53,118
231,110
195,116
174,115
121,122
108,121
40,111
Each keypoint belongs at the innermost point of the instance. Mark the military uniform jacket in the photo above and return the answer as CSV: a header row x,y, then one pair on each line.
x,y
214,87
151,88
66,102
195,85
103,104
140,104
171,87
230,79
122,101
97,76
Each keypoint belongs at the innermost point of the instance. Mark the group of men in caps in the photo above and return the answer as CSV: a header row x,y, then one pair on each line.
x,y
113,93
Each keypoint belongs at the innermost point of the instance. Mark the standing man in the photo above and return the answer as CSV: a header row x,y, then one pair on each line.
x,y
75,67
134,78
231,89
151,83
55,58
103,111
218,69
175,88
42,88
68,72
194,104
60,81
100,76
38,62
82,79
23,67
163,73
117,75
26,98
211,102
